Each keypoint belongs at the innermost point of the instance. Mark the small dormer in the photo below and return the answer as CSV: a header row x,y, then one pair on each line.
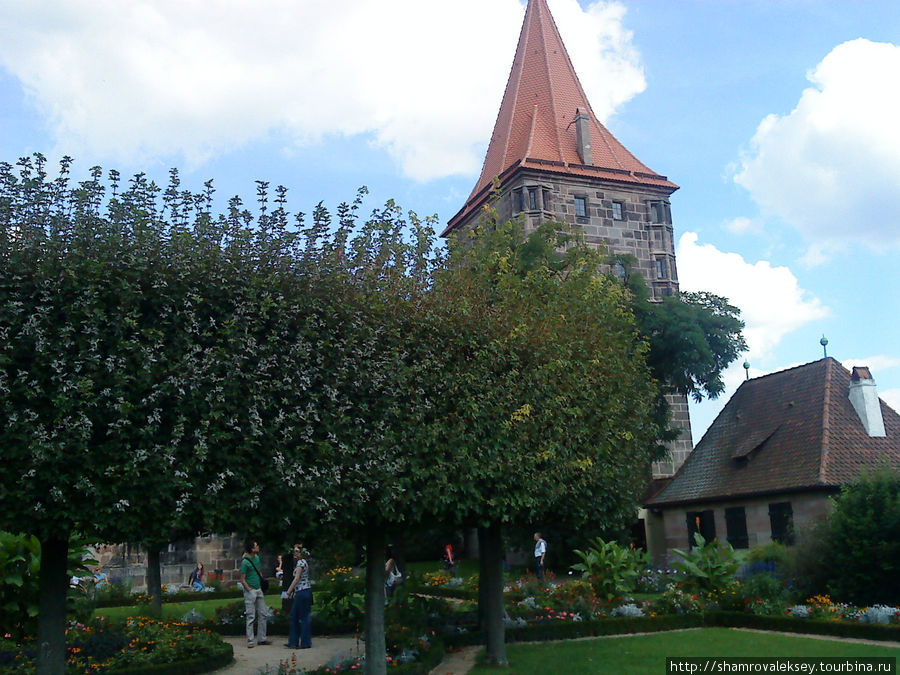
x,y
864,398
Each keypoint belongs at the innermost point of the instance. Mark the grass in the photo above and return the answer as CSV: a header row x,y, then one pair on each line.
x,y
646,654
176,610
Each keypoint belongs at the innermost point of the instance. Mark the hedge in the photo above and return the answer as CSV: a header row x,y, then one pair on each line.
x,y
789,624
567,630
649,624
223,656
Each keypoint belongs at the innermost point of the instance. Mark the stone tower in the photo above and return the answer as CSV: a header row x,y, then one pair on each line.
x,y
556,161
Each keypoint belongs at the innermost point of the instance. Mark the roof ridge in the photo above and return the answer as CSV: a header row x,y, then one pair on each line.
x,y
826,421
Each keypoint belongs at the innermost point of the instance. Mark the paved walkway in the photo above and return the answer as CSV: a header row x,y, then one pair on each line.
x,y
253,661
458,662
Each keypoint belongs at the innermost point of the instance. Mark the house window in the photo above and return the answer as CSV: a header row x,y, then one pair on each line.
x,y
617,210
703,522
659,212
581,206
781,517
661,268
736,527
532,199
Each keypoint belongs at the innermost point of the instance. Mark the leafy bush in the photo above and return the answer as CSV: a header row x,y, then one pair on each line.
x,y
340,597
137,645
863,541
675,600
612,570
20,566
707,567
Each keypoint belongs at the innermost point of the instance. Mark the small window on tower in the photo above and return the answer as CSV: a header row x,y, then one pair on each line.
x,y
656,212
580,206
617,210
661,271
532,199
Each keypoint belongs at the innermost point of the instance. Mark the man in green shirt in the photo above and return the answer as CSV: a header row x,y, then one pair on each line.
x,y
254,600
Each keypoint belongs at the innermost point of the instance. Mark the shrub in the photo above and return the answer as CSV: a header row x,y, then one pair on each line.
x,y
675,600
863,541
707,567
612,570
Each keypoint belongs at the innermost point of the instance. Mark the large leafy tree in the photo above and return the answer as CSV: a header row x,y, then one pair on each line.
x,y
541,397
138,364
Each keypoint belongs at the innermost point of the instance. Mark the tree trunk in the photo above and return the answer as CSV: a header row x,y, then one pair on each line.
x,y
482,575
54,583
154,579
492,583
374,628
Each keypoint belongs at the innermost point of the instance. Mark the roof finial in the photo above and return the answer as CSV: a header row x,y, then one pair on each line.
x,y
746,370
824,343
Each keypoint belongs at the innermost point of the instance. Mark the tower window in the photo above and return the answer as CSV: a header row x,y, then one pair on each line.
x,y
617,211
532,199
580,206
661,268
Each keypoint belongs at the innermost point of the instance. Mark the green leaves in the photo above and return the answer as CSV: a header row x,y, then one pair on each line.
x,y
612,570
709,566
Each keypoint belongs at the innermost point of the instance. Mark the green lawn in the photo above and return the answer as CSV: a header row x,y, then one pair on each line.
x,y
176,610
646,654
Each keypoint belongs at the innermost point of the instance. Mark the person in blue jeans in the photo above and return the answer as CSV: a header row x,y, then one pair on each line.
x,y
300,628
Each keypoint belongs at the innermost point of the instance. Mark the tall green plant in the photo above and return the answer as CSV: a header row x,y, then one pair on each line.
x,y
612,570
20,565
709,566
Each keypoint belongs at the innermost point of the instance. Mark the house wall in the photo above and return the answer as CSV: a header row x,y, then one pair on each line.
x,y
669,525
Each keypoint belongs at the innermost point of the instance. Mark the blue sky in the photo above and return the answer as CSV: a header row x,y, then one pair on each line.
x,y
778,119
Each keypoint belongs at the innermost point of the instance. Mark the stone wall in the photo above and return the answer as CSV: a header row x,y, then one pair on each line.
x,y
220,555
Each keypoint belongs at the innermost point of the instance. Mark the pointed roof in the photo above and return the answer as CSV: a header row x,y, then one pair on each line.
x,y
535,126
788,431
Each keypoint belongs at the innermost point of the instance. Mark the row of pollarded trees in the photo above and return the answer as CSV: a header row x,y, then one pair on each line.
x,y
165,371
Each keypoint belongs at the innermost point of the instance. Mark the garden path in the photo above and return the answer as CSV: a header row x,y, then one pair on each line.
x,y
253,661
459,662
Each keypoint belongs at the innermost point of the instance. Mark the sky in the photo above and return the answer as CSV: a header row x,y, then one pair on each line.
x,y
778,119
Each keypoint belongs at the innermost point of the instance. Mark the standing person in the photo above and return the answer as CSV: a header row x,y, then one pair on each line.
x,y
301,592
540,552
393,577
449,560
254,599
195,581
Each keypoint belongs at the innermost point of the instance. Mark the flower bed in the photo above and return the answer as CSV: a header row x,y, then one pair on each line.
x,y
136,647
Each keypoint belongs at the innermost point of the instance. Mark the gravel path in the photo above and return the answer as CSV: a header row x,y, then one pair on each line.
x,y
253,661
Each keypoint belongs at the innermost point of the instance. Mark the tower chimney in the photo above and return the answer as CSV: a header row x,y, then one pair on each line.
x,y
583,136
864,398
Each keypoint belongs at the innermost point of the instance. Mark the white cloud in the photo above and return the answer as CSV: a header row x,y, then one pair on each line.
x,y
743,225
876,364
892,398
831,168
149,79
771,301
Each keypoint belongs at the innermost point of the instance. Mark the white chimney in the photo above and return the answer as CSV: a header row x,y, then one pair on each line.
x,y
583,137
864,397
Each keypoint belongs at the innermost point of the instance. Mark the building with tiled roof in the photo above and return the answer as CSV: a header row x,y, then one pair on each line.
x,y
779,449
555,160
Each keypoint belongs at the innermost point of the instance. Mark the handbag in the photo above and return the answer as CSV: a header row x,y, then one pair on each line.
x,y
263,582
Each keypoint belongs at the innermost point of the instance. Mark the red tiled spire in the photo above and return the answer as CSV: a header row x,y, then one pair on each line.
x,y
535,126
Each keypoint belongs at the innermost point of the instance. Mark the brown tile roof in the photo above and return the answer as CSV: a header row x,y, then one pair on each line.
x,y
534,127
790,430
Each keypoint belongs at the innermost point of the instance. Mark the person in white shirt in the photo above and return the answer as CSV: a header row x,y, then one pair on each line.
x,y
540,552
